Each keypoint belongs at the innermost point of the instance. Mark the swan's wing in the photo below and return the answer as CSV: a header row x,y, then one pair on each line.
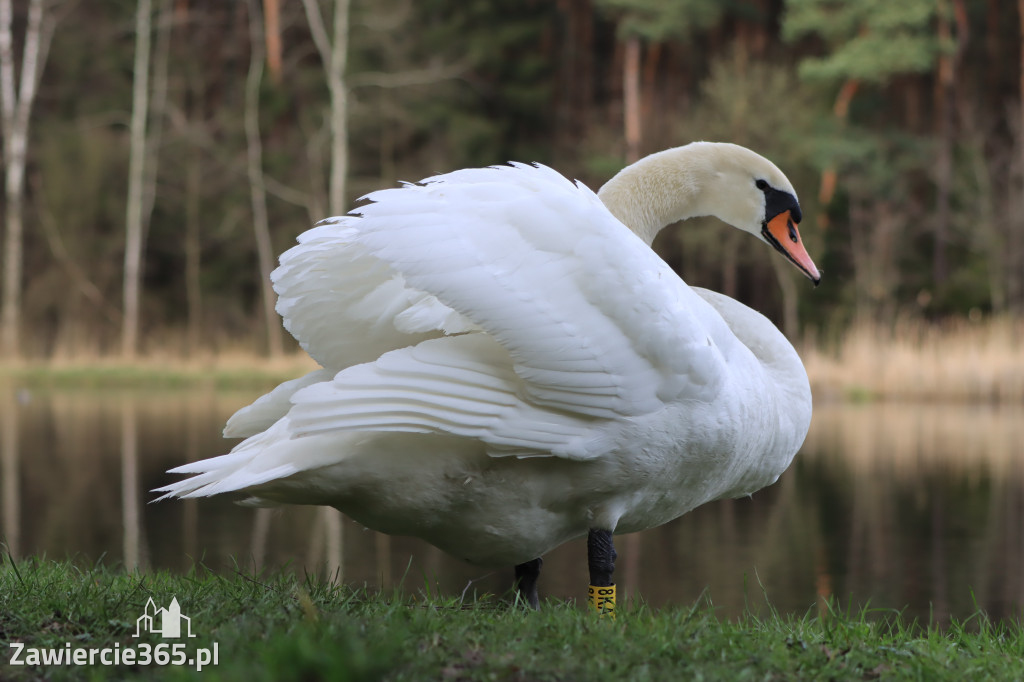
x,y
268,408
346,307
595,322
462,385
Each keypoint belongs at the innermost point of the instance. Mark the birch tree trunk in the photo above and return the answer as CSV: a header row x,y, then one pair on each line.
x,y
193,253
339,108
157,111
14,115
257,185
136,182
334,56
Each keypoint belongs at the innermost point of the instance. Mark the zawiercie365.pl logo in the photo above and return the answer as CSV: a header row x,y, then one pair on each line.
x,y
168,622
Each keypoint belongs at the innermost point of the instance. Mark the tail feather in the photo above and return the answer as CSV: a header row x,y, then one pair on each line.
x,y
255,461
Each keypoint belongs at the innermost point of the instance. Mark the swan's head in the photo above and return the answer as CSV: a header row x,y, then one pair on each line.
x,y
725,180
748,191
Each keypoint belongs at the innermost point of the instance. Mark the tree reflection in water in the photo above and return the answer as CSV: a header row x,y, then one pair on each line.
x,y
916,508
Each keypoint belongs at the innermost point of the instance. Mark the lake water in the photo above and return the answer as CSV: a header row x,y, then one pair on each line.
x,y
911,508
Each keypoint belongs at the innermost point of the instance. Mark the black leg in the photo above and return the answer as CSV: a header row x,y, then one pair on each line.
x,y
526,581
601,561
601,557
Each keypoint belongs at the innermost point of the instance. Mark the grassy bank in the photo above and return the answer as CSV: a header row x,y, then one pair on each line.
x,y
225,371
957,361
274,627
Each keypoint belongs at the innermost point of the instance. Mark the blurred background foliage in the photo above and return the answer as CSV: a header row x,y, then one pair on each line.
x,y
900,124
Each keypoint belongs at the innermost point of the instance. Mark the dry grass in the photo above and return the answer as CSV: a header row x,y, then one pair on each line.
x,y
912,360
159,370
962,361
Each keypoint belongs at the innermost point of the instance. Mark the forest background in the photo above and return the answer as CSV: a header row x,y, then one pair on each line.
x,y
158,154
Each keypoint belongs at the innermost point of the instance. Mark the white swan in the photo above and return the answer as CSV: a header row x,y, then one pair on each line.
x,y
507,366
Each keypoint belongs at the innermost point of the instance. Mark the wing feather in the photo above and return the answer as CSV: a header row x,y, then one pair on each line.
x,y
462,385
594,321
346,307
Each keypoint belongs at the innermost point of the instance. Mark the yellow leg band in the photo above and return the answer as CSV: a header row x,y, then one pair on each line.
x,y
602,600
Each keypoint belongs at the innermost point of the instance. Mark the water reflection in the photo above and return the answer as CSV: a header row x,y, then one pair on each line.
x,y
131,494
913,508
10,495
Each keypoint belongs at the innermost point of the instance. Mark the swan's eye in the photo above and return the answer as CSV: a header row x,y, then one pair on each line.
x,y
761,184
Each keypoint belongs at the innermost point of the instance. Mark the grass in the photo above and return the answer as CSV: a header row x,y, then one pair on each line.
x,y
279,627
235,370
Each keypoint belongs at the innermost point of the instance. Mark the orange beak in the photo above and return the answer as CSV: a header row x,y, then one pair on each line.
x,y
781,233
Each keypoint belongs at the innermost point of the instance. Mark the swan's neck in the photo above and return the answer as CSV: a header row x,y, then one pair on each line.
x,y
786,375
661,189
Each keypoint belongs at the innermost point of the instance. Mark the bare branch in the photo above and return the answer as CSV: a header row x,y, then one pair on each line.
x,y
61,254
183,126
254,148
286,193
318,31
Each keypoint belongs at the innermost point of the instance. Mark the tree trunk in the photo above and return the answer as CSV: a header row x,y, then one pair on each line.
x,y
136,182
258,192
1015,283
334,56
339,108
272,31
193,250
631,98
944,85
157,111
15,109
649,88
790,298
841,110
193,254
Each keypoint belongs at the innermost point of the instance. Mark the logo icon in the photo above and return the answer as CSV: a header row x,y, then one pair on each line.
x,y
163,622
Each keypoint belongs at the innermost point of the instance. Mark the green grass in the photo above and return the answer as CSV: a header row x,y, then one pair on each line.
x,y
150,375
279,627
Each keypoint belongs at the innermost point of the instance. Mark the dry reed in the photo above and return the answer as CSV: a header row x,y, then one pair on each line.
x,y
962,361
